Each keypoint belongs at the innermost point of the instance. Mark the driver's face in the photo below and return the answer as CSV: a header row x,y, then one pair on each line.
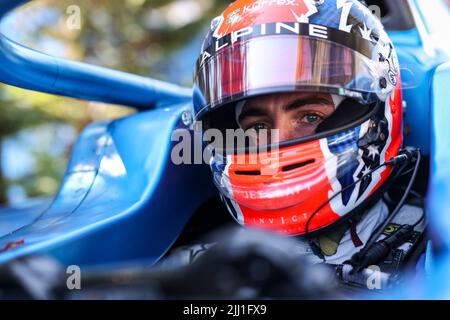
x,y
294,115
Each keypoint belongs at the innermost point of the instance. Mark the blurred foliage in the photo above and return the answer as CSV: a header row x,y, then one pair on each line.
x,y
136,36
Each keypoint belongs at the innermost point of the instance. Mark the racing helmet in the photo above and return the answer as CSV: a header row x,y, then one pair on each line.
x,y
258,48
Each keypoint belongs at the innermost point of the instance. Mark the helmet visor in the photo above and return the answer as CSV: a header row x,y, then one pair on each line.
x,y
285,63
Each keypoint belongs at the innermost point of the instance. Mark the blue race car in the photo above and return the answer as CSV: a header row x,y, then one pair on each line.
x,y
112,206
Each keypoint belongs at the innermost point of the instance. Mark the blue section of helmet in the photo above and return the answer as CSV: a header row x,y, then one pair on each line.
x,y
345,147
218,167
327,15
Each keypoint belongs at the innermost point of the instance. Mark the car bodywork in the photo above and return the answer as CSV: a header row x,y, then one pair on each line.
x,y
112,205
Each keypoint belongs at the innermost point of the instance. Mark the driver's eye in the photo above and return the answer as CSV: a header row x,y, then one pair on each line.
x,y
312,118
309,119
259,126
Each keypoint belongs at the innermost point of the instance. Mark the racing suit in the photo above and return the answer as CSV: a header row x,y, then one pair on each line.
x,y
339,245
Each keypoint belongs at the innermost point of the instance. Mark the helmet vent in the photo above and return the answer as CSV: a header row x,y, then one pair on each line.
x,y
248,173
297,165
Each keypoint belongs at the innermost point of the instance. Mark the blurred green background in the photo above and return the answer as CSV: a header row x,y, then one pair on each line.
x,y
155,38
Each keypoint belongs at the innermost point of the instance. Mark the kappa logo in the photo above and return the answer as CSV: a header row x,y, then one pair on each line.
x,y
235,17
306,7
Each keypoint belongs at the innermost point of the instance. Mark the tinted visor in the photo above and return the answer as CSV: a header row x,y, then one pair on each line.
x,y
283,63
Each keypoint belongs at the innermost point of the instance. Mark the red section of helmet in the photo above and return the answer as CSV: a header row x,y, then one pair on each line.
x,y
282,194
244,13
394,106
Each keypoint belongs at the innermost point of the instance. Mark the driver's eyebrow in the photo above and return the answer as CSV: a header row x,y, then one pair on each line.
x,y
252,112
306,102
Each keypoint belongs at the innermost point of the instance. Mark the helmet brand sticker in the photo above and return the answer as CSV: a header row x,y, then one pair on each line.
x,y
242,15
351,41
